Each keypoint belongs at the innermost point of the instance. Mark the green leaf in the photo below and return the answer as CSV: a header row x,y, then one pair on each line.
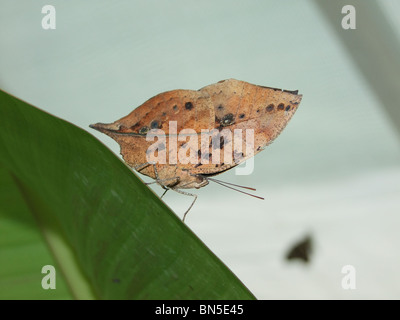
x,y
68,201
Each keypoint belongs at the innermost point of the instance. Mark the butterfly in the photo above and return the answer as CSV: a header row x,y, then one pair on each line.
x,y
200,133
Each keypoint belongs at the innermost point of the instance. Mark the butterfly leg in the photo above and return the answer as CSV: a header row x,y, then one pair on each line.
x,y
187,194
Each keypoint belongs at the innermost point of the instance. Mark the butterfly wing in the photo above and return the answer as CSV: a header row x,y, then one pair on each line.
x,y
225,109
181,108
241,105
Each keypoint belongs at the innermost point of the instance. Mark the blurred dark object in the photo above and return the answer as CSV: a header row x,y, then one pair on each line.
x,y
301,250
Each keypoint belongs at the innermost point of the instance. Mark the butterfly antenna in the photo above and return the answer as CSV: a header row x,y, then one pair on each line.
x,y
227,185
231,184
164,193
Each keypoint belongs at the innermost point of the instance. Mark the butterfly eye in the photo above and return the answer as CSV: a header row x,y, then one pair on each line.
x,y
155,124
144,130
227,120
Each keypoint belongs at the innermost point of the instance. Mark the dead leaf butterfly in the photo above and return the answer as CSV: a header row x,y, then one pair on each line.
x,y
182,138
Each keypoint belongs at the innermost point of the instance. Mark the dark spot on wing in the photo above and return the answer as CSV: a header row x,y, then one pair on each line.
x,y
227,120
188,106
221,142
269,108
144,130
155,124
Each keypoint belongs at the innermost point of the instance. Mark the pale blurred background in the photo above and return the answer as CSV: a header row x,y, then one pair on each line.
x,y
334,172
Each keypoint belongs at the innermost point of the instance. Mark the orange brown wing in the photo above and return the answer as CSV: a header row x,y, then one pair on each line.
x,y
241,105
189,108
226,105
